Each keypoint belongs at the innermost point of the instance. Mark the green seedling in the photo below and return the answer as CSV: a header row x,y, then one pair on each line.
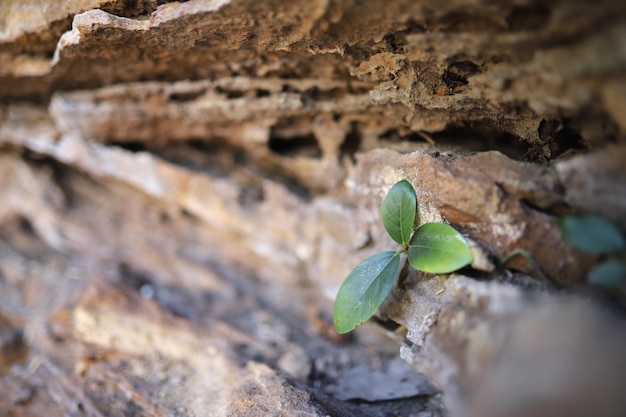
x,y
598,236
529,258
435,248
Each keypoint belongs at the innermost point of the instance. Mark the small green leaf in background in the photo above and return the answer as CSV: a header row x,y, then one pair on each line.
x,y
437,248
591,233
364,290
609,274
398,211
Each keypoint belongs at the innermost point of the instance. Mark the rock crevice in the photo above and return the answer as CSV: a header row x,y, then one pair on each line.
x,y
184,186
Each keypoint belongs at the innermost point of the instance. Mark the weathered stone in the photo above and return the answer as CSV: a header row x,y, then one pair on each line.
x,y
575,349
594,183
508,350
185,185
336,248
112,339
396,380
213,380
486,196
450,65
295,363
12,346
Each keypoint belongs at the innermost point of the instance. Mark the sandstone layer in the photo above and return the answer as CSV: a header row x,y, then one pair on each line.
x,y
185,185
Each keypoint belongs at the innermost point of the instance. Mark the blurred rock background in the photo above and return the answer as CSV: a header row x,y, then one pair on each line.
x,y
184,186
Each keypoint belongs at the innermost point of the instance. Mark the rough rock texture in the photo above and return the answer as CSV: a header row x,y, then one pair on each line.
x,y
184,186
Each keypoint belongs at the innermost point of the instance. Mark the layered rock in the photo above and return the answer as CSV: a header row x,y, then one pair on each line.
x,y
185,185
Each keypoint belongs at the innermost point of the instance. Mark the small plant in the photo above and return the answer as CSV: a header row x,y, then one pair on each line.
x,y
596,235
435,248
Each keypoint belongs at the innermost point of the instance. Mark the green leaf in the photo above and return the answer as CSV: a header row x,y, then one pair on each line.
x,y
398,211
591,233
437,248
609,274
364,290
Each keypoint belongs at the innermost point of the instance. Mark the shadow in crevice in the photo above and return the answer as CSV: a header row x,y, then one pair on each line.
x,y
462,138
295,146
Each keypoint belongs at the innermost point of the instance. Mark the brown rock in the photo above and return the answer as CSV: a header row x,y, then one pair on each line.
x,y
488,196
184,186
583,357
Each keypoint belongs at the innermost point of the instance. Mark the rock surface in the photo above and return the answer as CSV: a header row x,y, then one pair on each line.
x,y
184,186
